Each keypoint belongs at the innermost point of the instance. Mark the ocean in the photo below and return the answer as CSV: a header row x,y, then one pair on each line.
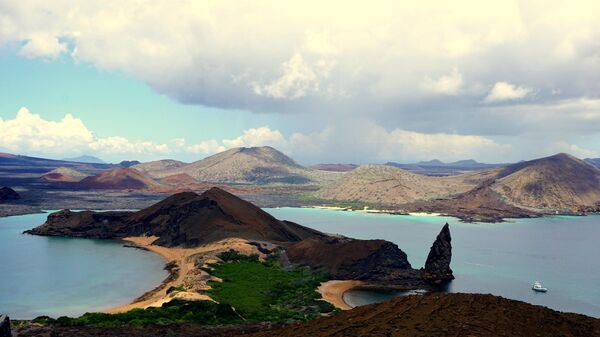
x,y
562,252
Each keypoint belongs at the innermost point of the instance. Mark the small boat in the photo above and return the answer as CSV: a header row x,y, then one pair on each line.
x,y
537,286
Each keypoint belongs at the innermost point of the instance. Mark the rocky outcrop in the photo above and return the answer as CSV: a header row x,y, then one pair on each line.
x,y
437,267
350,259
8,194
183,219
5,326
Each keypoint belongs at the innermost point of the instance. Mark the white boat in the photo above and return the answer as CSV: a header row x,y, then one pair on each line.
x,y
537,286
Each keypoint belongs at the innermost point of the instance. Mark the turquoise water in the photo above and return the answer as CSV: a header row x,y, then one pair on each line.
x,y
65,276
502,259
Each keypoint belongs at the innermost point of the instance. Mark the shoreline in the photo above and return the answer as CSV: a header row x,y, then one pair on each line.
x,y
333,292
182,271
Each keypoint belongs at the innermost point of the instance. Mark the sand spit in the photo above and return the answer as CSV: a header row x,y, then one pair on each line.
x,y
333,292
183,270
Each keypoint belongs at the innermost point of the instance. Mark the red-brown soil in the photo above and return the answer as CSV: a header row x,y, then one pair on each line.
x,y
119,179
430,315
445,315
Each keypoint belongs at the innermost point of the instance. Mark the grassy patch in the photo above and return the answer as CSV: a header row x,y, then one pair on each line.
x,y
251,291
311,199
265,292
175,311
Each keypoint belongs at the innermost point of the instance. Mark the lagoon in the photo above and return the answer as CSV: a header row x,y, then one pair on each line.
x,y
66,276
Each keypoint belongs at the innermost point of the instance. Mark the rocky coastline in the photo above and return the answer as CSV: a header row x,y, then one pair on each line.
x,y
174,221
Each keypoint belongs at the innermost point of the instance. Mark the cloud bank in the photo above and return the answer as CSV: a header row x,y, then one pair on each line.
x,y
389,61
29,133
424,73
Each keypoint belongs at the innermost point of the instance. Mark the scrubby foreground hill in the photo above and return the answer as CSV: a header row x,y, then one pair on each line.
x,y
559,183
430,315
445,315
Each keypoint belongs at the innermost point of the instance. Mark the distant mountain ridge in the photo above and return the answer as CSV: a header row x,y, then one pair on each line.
x,y
334,167
438,167
86,159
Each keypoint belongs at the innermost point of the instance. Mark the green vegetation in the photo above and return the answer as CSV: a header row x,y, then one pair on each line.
x,y
309,199
266,292
251,291
176,311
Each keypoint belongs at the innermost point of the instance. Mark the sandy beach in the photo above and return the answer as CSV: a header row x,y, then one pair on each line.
x,y
333,292
184,271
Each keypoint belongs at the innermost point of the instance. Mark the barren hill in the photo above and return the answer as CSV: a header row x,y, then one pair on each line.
x,y
391,185
63,174
186,219
8,194
155,168
243,165
559,182
119,179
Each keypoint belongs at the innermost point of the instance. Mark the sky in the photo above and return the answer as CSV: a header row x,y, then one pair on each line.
x,y
323,81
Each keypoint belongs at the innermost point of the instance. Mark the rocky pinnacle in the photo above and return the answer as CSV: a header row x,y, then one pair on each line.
x,y
437,267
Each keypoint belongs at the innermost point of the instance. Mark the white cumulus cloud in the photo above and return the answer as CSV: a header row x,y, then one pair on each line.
x,y
448,84
503,91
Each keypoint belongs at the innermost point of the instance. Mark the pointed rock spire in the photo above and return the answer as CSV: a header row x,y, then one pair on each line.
x,y
437,267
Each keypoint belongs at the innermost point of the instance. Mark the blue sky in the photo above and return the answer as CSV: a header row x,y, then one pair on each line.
x,y
496,81
110,102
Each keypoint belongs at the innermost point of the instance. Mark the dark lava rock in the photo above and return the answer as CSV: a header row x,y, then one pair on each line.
x,y
183,219
8,194
350,259
437,267
129,163
5,326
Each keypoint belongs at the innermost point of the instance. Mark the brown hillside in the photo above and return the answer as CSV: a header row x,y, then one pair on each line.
x,y
191,219
119,179
256,165
183,219
155,168
445,315
343,258
63,174
391,185
559,182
